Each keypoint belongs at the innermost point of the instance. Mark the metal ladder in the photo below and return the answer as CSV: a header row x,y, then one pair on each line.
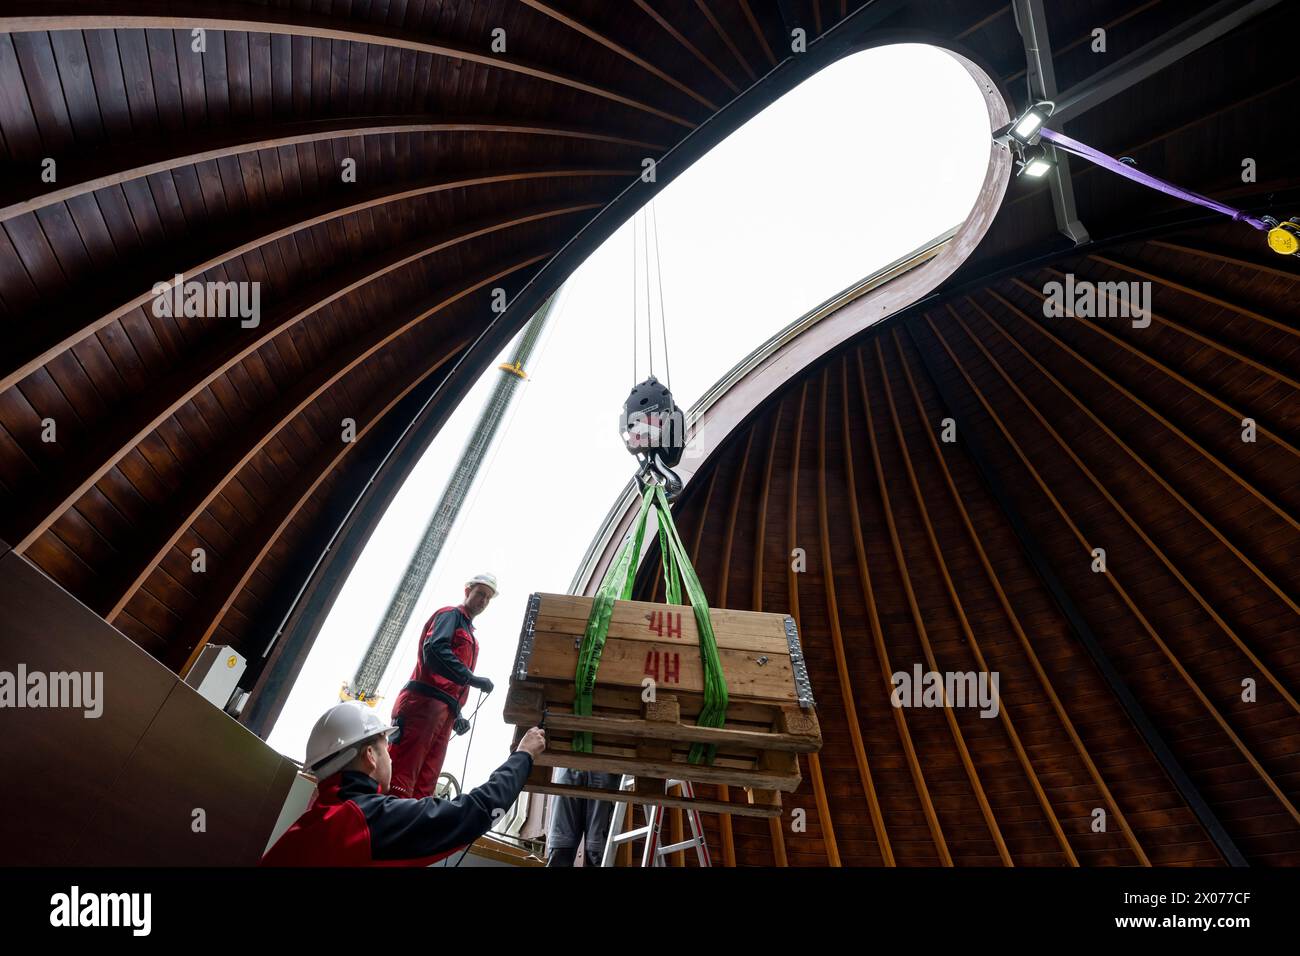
x,y
653,854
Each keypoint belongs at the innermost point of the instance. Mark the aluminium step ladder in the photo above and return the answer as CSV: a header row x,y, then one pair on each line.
x,y
654,853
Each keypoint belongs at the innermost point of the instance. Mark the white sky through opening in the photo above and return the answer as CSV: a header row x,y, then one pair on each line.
x,y
861,164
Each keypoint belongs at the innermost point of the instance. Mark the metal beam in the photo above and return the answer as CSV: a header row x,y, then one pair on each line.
x,y
1186,38
1032,21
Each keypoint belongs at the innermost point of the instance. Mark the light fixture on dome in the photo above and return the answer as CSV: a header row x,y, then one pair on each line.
x,y
1024,129
1034,162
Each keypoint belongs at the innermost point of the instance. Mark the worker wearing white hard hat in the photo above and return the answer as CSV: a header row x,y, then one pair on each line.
x,y
354,821
429,707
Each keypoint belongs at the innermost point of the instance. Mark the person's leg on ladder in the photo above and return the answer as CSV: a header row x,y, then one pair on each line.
x,y
564,830
596,818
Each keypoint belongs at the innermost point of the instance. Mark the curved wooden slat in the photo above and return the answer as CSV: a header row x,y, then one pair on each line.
x,y
878,637
694,51
320,213
622,51
724,579
760,538
1156,318
79,177
165,398
207,620
1004,710
1128,519
844,677
722,34
1236,414
1141,461
116,15
758,32
1213,300
1122,592
1014,619
918,624
271,424
1225,259
792,589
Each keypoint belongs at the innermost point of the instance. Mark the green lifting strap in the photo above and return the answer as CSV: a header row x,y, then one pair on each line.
x,y
617,586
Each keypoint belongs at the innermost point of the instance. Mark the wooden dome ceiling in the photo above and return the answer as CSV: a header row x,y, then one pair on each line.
x,y
128,440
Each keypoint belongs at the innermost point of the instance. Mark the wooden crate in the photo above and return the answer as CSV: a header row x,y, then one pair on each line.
x,y
770,717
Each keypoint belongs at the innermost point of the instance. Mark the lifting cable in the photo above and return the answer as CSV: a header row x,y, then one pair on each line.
x,y
654,430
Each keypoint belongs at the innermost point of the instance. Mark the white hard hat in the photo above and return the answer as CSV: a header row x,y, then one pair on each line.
x,y
333,741
489,579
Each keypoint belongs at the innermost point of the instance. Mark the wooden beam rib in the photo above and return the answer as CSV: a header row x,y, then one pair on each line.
x,y
758,32
1014,619
272,422
845,679
168,396
775,832
724,578
1212,300
41,355
1213,711
1139,459
99,174
251,19
792,589
1004,711
676,35
878,634
1226,259
622,51
209,618
1229,472
918,622
1125,516
717,28
1188,383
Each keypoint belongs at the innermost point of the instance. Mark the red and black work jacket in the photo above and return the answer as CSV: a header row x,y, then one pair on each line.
x,y
351,823
448,653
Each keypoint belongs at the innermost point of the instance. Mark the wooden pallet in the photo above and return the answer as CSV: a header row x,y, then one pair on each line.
x,y
770,719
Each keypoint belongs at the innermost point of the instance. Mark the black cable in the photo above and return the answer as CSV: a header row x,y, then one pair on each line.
x,y
663,321
469,744
649,322
633,230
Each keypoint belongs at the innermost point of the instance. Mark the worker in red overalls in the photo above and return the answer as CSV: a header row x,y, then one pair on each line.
x,y
428,708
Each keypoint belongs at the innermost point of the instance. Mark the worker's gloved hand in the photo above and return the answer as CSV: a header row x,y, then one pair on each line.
x,y
534,742
482,683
